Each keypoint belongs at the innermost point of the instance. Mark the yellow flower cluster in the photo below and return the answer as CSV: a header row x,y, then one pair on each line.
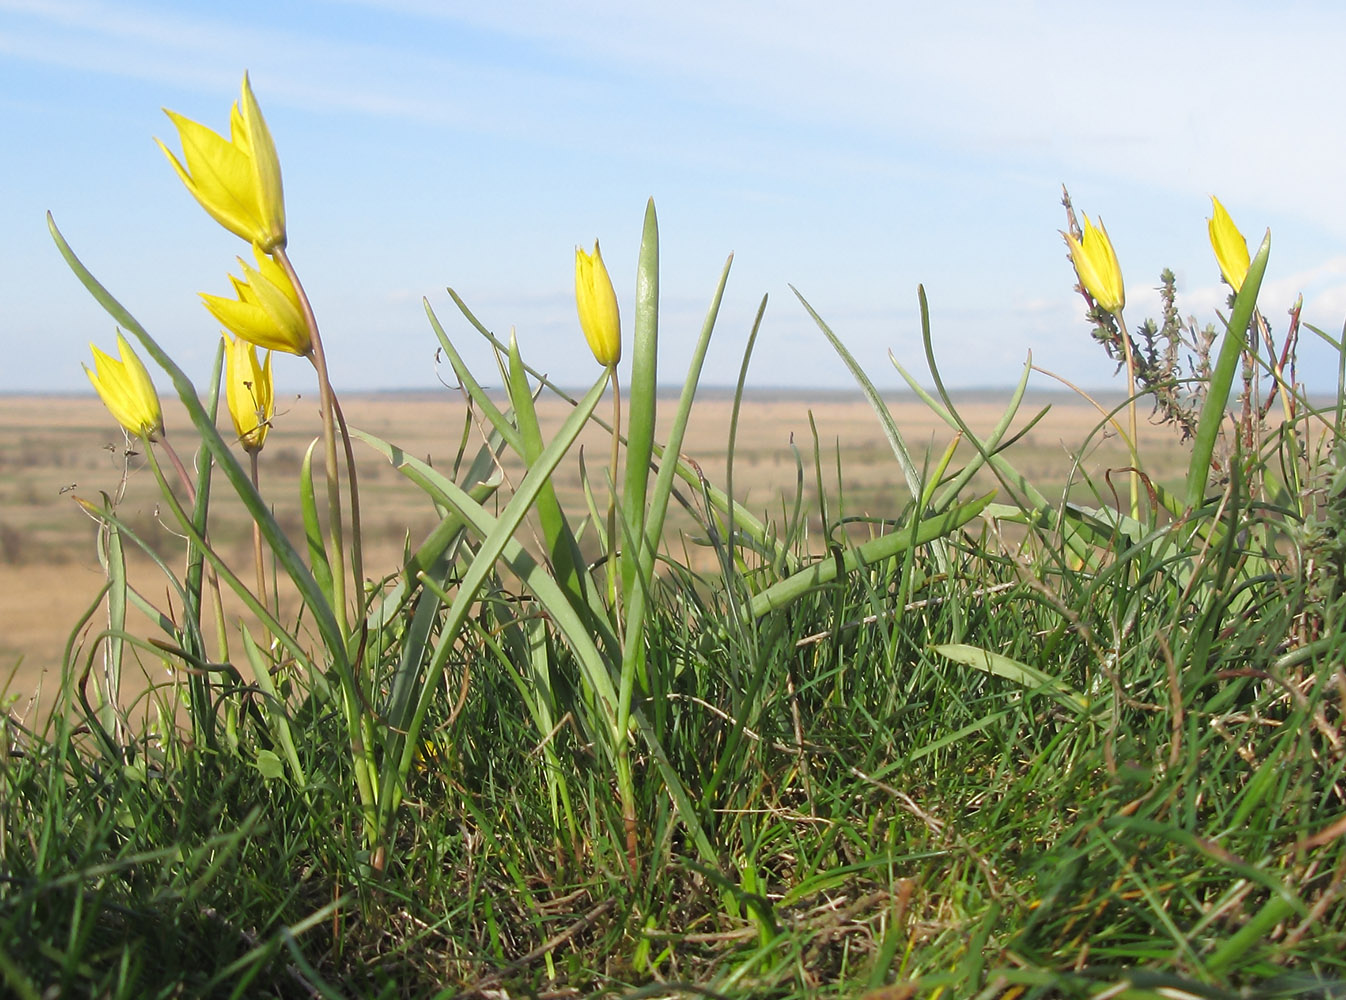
x,y
237,181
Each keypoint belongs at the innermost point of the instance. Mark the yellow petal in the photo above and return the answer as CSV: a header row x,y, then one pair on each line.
x,y
277,297
266,166
274,276
137,376
218,175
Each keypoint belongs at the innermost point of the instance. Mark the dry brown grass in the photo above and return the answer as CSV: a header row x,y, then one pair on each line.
x,y
53,449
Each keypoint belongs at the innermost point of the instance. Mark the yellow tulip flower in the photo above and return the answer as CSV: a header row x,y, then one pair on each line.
x,y
126,390
249,391
597,303
267,311
1097,267
236,180
1231,249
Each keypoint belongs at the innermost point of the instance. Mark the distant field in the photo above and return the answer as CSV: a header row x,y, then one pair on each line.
x,y
55,448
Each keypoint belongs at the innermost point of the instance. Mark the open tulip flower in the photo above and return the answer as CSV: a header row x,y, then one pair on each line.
x,y
236,180
597,304
249,391
1097,267
1231,249
267,311
126,390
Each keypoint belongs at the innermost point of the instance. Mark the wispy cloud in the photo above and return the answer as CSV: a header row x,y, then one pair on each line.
x,y
186,48
1163,100
1189,98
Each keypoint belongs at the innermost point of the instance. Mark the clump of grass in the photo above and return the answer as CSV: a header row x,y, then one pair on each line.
x,y
1000,747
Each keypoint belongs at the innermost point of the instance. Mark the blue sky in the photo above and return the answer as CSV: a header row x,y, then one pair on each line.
x,y
852,149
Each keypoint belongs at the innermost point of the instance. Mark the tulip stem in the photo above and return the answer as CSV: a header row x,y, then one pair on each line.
x,y
258,561
1129,353
357,559
358,721
179,468
326,399
614,591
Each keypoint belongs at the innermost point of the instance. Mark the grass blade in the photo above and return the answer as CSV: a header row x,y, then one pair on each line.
x,y
1014,670
786,591
643,394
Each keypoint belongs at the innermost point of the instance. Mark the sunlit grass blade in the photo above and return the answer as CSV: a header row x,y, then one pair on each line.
x,y
730,444
227,575
484,478
467,511
643,394
113,558
202,698
1023,489
186,628
785,592
989,446
313,534
69,656
1011,669
414,640
663,484
750,528
1030,505
639,595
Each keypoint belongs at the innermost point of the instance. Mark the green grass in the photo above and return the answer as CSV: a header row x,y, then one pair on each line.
x,y
879,813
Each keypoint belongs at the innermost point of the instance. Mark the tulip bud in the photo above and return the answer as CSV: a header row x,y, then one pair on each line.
x,y
236,180
1097,267
597,304
1231,249
126,390
249,392
267,311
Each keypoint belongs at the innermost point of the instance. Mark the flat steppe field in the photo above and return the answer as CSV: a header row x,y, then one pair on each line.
x,y
55,449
